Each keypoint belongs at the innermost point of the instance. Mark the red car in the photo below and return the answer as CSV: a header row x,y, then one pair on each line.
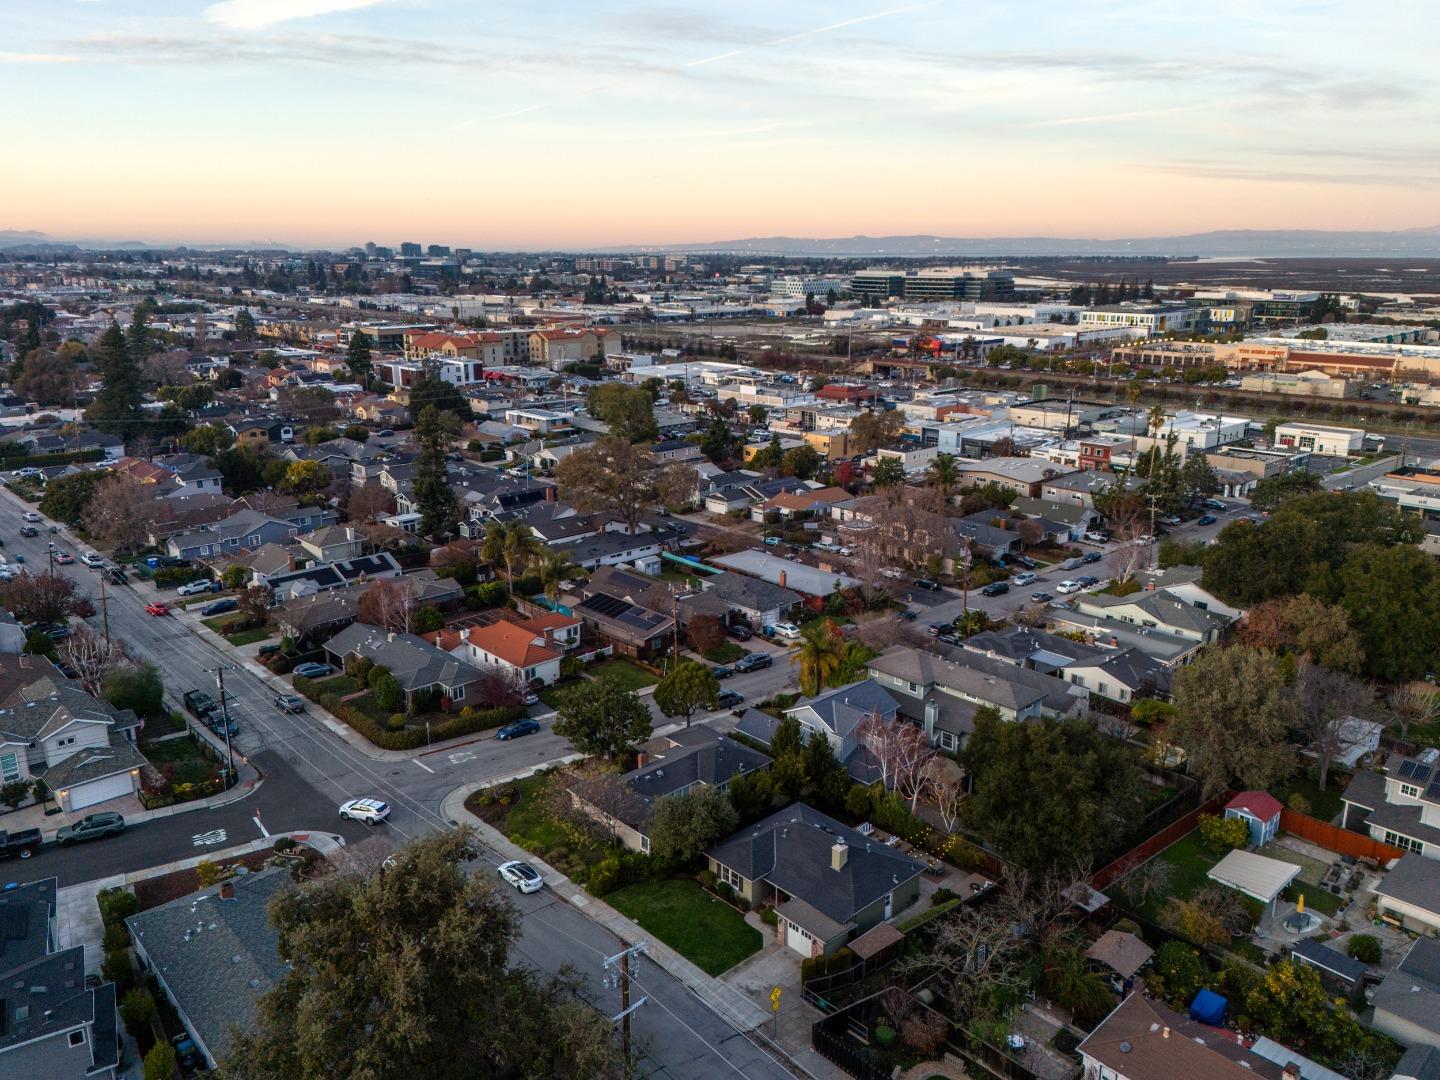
x,y
157,609
64,558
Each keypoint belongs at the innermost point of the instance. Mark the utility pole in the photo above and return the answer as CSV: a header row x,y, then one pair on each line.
x,y
617,974
104,607
225,721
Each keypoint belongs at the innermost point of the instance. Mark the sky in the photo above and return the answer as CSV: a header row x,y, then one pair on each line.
x,y
559,124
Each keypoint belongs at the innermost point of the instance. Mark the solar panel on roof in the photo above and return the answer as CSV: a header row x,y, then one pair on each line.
x,y
1433,791
1406,770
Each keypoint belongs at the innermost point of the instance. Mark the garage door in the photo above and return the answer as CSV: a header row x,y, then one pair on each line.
x,y
98,791
797,939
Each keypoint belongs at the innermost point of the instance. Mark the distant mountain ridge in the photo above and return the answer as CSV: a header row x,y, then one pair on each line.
x,y
1239,243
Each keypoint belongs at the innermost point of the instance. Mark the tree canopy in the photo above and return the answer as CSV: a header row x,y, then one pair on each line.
x,y
686,688
404,973
613,474
1234,711
602,717
629,411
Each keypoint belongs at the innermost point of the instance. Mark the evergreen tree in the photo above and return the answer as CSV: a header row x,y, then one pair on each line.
x,y
244,321
137,339
357,357
117,406
433,495
31,340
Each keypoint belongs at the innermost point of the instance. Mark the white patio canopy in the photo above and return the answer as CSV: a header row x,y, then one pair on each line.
x,y
1254,875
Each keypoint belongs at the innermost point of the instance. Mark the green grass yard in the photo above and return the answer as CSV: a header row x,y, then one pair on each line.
x,y
526,822
630,676
249,637
192,764
710,934
1325,805
219,622
727,652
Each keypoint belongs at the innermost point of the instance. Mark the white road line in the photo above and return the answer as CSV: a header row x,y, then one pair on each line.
x,y
260,825
422,764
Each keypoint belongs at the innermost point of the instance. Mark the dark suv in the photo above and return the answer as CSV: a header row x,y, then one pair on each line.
x,y
753,662
199,703
740,632
995,588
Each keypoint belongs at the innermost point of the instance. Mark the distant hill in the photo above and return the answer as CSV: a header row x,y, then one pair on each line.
x,y
1250,243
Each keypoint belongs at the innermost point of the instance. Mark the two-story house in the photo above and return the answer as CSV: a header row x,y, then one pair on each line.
x,y
837,716
53,1023
82,747
1400,807
242,529
1156,611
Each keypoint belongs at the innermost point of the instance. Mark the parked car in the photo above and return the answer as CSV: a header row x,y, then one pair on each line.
x,y
290,703
92,827
1171,519
1072,564
740,632
1025,577
92,560
64,558
720,671
1065,588
1041,597
785,630
1087,580
157,608
1206,519
772,541
217,723
220,607
728,699
268,650
753,662
938,628
1025,561
312,670
21,844
517,729
926,583
29,530
117,576
1213,504
199,703
995,588
370,811
195,588
30,515
1097,536
905,616
522,875
1090,557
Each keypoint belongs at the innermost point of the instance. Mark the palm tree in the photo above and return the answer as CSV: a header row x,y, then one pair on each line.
x,y
553,567
944,474
820,656
512,543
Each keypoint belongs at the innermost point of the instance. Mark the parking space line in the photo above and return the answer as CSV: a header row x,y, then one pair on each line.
x,y
422,764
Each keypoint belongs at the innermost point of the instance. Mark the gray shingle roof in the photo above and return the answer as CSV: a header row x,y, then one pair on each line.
x,y
844,708
1412,990
414,662
1415,880
1328,959
749,593
216,956
94,763
791,850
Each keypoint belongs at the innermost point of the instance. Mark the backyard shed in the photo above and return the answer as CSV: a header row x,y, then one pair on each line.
x,y
1254,875
1337,971
1261,811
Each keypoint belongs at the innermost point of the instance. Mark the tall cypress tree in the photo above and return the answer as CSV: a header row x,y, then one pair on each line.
x,y
357,357
137,339
117,404
434,497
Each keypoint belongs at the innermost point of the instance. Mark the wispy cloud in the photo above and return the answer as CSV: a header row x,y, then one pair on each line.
x,y
258,14
37,58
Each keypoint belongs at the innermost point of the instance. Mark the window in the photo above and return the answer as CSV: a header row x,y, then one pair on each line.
x,y
645,844
77,1037
9,768
1410,791
1404,843
69,740
457,694
730,877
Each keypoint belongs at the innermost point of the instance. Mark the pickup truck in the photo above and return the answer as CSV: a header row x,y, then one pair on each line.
x,y
199,703
23,843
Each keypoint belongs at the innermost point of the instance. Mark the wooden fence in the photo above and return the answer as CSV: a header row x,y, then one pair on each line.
x,y
1148,849
1333,838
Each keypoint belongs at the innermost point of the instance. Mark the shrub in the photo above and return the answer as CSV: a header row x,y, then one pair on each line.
x,y
116,905
1124,588
1298,803
395,722
428,618
208,873
359,667
768,917
116,937
884,1034
374,675
168,576
603,877
708,879
160,1062
1224,833
1365,948
283,844
137,1009
389,694
116,968
941,895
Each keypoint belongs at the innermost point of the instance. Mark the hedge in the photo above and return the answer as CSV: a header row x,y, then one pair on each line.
x,y
167,576
70,457
466,722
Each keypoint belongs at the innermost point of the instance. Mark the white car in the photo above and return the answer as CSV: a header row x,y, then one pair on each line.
x,y
1097,537
1066,587
1025,577
193,588
786,631
370,811
92,560
523,876
30,515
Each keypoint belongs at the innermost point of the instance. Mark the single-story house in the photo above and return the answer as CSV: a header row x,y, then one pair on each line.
x,y
756,602
1409,894
418,665
526,650
828,883
1260,810
214,955
322,577
1407,1001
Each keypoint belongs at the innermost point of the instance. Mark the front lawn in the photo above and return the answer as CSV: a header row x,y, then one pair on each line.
x,y
338,684
192,764
551,694
727,652
631,676
518,810
707,932
248,637
219,622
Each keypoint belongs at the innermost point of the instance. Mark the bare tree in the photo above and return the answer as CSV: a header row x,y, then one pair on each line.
x,y
947,791
903,752
1152,879
591,799
1327,700
1127,527
119,513
869,562
390,605
369,502
91,657
1414,703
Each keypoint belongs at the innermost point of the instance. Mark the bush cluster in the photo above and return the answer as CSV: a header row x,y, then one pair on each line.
x,y
168,576
616,870
465,722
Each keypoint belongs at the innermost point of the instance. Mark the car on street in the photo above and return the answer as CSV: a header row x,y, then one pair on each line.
x,y
937,628
157,608
370,811
199,703
1025,561
1042,597
64,558
220,726
1087,580
1213,504
720,671
91,827
92,560
312,670
753,662
740,632
20,559
526,726
772,541
1206,519
220,607
905,616
926,583
1025,577
30,515
728,699
29,530
117,576
1065,588
291,703
195,588
1090,557
522,875
1096,536
19,844
1072,564
784,630
995,588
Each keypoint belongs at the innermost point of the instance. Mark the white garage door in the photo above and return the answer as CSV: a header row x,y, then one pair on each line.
x,y
797,939
97,791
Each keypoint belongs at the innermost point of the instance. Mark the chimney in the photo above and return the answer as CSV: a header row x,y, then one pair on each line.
x,y
1291,1072
1165,1032
550,493
227,890
932,713
390,636
782,579
641,759
839,854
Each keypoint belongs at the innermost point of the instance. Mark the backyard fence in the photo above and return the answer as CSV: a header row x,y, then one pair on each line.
x,y
1333,838
1148,849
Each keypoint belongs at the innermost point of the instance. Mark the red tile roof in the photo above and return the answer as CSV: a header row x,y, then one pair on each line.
x,y
1261,804
513,644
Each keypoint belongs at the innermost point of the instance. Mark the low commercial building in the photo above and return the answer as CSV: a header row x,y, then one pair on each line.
x,y
1330,441
1316,384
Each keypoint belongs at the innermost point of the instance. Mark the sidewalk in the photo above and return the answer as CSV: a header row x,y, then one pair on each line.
x,y
248,778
